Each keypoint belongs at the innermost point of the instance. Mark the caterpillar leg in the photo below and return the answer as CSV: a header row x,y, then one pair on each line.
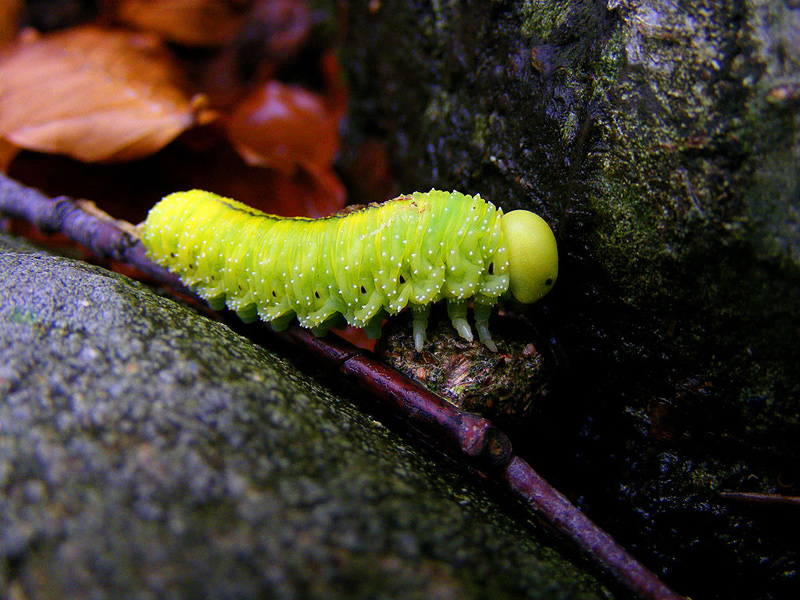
x,y
482,312
457,311
282,322
420,324
248,313
217,302
373,326
335,321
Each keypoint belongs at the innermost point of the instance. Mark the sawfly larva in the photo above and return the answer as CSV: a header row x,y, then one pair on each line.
x,y
358,267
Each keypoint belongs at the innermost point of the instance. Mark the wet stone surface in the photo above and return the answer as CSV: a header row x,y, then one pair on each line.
x,y
147,452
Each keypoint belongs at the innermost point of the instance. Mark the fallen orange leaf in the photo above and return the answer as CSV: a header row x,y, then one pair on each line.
x,y
283,126
273,36
188,22
93,94
9,20
221,170
290,130
7,153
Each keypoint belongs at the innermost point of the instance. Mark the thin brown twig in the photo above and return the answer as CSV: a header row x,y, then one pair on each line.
x,y
760,498
457,432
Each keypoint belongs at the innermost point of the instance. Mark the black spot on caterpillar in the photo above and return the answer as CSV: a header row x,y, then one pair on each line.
x,y
357,267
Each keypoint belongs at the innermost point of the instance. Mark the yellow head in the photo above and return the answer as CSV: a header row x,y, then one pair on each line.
x,y
532,255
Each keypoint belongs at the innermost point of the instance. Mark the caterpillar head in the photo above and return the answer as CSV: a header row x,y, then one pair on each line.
x,y
532,255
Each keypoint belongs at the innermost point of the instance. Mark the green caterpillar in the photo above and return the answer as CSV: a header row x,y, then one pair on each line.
x,y
357,267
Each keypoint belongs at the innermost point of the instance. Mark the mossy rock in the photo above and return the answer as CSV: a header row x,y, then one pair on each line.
x,y
148,452
661,142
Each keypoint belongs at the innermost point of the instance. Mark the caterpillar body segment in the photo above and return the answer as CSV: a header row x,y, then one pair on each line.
x,y
360,267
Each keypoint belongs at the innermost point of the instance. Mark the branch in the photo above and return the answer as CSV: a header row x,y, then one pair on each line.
x,y
758,498
453,430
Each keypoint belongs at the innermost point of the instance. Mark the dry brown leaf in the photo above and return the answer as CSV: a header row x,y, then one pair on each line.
x,y
188,22
283,126
290,130
7,153
92,94
9,20
221,170
272,38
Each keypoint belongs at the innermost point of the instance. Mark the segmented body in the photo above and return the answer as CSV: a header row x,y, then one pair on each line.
x,y
411,251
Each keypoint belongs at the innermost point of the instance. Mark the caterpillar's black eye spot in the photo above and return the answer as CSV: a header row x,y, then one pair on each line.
x,y
173,255
240,287
363,290
491,268
402,279
316,295
274,295
549,281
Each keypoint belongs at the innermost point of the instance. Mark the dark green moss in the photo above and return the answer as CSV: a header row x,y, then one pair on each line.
x,y
661,142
